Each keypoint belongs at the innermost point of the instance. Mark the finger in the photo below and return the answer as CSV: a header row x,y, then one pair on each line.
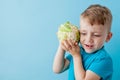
x,y
63,45
76,43
73,43
68,46
70,42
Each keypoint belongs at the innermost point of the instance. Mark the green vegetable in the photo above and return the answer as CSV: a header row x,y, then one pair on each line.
x,y
68,31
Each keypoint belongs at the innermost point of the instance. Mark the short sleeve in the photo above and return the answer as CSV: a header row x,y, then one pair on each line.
x,y
102,67
68,56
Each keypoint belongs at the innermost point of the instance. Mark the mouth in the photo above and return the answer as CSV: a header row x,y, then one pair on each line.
x,y
88,46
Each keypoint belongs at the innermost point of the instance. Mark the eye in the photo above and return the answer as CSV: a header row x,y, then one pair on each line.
x,y
97,35
83,33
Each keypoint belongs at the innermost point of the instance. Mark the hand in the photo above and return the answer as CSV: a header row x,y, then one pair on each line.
x,y
71,46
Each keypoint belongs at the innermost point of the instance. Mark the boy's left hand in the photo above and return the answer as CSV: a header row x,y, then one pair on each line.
x,y
72,47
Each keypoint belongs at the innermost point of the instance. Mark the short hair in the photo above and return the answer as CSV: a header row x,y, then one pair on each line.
x,y
97,14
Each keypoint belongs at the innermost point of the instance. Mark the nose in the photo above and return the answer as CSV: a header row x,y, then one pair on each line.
x,y
89,38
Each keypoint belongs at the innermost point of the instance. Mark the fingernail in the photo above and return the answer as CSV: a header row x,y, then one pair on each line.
x,y
76,43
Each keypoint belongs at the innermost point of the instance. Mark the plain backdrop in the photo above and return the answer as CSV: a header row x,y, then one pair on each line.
x,y
28,40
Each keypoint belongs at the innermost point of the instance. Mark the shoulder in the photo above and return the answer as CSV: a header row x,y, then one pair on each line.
x,y
102,64
103,55
102,58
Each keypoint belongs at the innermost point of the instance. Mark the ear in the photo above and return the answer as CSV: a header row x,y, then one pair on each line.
x,y
109,36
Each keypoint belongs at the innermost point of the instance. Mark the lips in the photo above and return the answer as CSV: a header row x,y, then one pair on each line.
x,y
88,46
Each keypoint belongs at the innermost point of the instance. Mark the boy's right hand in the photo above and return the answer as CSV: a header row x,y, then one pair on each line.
x,y
70,46
64,45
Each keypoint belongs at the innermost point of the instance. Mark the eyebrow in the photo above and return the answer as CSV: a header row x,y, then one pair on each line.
x,y
92,32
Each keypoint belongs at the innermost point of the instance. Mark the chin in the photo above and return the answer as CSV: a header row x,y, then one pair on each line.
x,y
89,51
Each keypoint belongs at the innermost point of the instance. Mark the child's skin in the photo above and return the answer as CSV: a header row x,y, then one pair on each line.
x,y
92,38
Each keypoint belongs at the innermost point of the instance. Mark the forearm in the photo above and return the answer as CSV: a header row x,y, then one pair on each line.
x,y
78,68
58,63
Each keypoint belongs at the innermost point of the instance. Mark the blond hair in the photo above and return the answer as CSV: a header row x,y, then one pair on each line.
x,y
97,14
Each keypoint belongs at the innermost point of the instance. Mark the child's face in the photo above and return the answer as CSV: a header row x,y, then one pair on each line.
x,y
92,37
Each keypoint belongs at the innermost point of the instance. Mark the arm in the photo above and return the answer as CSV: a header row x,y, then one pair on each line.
x,y
80,73
60,64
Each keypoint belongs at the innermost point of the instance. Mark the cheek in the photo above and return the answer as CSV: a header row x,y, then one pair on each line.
x,y
81,39
99,42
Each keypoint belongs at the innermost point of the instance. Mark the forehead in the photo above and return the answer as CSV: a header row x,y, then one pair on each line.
x,y
86,26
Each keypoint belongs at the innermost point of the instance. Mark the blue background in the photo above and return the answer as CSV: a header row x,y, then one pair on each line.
x,y
28,40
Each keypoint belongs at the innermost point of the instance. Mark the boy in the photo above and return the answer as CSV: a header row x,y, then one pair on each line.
x,y
89,61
